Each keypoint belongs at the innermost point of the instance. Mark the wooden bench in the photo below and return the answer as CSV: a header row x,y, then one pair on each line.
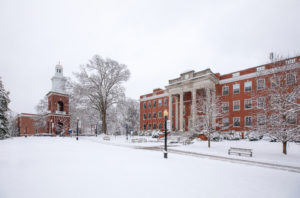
x,y
240,151
107,138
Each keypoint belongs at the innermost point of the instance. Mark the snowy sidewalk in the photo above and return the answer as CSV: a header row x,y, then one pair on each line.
x,y
266,154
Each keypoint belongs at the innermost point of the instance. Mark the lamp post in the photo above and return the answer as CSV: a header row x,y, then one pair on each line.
x,y
96,130
51,127
166,117
77,127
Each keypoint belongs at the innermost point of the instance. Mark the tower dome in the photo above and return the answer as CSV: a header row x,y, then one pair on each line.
x,y
58,80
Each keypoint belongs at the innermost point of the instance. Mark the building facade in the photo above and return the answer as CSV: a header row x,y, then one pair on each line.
x,y
238,96
56,121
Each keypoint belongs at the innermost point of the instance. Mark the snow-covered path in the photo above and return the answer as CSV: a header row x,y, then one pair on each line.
x,y
63,167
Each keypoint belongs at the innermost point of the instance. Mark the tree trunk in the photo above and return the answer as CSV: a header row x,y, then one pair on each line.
x,y
208,140
284,144
104,126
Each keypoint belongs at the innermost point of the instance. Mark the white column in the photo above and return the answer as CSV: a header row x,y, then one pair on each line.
x,y
194,107
181,111
214,107
170,111
176,113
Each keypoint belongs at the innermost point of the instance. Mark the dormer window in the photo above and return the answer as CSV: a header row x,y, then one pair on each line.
x,y
236,74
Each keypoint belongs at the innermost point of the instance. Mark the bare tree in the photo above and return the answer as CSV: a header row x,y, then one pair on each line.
x,y
277,109
40,119
209,113
101,81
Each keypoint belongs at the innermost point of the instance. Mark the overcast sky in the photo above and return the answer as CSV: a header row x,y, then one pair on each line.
x,y
157,40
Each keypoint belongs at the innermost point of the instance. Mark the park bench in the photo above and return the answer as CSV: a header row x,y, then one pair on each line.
x,y
240,151
187,141
138,140
107,138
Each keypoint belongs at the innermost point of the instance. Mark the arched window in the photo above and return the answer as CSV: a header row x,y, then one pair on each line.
x,y
60,106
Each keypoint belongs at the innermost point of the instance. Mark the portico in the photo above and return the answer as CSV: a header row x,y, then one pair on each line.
x,y
183,92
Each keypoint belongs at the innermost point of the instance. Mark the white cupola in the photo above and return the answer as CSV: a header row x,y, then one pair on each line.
x,y
58,80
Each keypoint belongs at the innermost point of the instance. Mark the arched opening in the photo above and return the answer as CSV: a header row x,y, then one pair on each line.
x,y
60,106
59,128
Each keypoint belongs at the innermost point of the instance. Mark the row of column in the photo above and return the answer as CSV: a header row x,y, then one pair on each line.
x,y
181,106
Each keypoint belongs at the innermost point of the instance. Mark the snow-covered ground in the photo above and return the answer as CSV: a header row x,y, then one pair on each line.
x,y
263,151
57,167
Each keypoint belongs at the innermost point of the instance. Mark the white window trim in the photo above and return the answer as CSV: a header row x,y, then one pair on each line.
x,y
257,84
246,122
223,92
224,105
233,121
245,104
245,86
233,88
261,115
227,122
239,105
274,77
257,101
294,74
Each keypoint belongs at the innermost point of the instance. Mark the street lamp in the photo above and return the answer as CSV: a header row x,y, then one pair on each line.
x,y
166,117
77,127
51,127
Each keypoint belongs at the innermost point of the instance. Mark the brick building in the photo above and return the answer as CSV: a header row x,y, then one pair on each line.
x,y
56,121
241,95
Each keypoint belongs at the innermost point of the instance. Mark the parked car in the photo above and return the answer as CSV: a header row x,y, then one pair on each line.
x,y
253,137
269,139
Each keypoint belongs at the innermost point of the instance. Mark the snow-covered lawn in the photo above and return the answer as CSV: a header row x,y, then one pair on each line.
x,y
41,167
263,151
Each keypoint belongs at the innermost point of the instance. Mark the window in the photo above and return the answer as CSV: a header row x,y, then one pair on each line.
x,y
154,114
149,115
225,106
144,127
248,103
248,121
261,120
290,79
149,126
159,102
236,105
154,103
60,106
159,126
186,76
225,90
248,86
236,121
291,119
260,68
291,97
149,104
145,105
260,83
145,116
225,122
236,88
261,101
274,81
159,114
275,120
154,126
166,101
275,99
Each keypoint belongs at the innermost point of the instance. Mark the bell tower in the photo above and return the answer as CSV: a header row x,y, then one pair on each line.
x,y
58,118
